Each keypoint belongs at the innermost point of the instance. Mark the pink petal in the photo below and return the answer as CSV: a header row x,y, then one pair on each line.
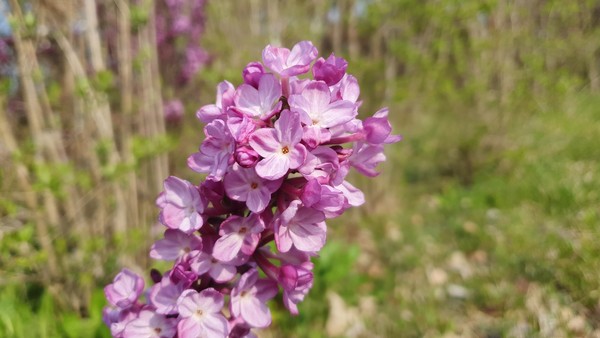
x,y
255,312
273,167
338,113
307,237
265,141
247,100
177,191
289,130
303,53
258,199
216,326
269,91
282,238
222,273
228,246
297,156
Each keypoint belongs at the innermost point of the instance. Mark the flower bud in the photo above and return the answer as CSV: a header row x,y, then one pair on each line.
x,y
331,70
246,156
252,73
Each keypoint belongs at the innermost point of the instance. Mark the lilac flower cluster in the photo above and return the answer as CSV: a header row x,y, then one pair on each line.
x,y
277,166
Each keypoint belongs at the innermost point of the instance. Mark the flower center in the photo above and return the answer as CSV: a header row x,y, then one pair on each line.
x,y
254,185
243,230
214,260
199,313
285,150
158,330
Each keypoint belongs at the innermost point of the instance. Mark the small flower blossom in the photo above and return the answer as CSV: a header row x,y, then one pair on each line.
x,y
249,297
219,271
175,245
296,282
259,103
280,147
215,153
150,325
238,234
300,226
201,314
246,186
288,63
183,205
125,289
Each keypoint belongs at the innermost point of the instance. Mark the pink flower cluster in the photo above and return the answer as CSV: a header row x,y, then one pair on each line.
x,y
277,152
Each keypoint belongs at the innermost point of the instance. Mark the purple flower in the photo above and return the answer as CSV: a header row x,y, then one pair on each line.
x,y
296,282
210,112
317,109
175,245
377,129
215,152
331,71
253,73
238,234
201,314
183,205
150,325
288,63
117,319
125,289
354,196
300,226
249,297
280,146
366,157
245,156
219,271
245,185
163,296
262,102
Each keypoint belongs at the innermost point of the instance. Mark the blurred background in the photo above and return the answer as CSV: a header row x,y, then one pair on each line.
x,y
484,221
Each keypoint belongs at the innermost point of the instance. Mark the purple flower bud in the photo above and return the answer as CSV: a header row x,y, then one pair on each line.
x,y
296,282
246,157
331,71
252,73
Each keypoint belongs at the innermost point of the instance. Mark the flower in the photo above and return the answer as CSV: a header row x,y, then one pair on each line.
x,y
262,102
288,63
249,297
175,245
125,289
183,205
300,226
330,71
215,152
149,324
246,186
238,234
201,314
280,147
